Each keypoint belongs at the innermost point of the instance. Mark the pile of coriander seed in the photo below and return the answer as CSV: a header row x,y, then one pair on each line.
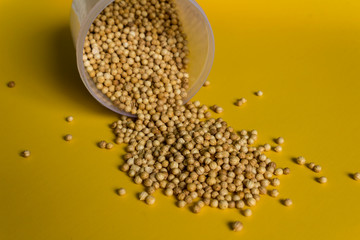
x,y
136,53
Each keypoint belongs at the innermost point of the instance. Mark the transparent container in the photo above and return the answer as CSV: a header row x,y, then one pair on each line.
x,y
195,25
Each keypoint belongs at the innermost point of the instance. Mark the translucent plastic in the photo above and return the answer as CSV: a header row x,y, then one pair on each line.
x,y
196,26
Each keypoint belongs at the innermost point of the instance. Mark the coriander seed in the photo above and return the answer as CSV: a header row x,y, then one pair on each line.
x,y
11,84
150,200
236,226
300,160
121,191
287,202
69,119
322,179
247,212
317,168
68,137
279,140
25,154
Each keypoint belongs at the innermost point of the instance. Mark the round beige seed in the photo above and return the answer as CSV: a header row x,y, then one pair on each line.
x,y
143,195
181,204
356,176
102,144
68,137
317,168
236,226
259,93
280,140
287,202
274,193
121,191
25,154
300,160
278,149
109,146
322,179
247,212
69,118
206,83
150,200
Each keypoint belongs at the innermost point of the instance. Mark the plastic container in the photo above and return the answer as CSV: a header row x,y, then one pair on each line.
x,y
195,24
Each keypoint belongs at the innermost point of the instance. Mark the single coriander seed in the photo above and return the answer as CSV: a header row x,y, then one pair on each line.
x,y
259,93
26,154
286,171
142,196
69,118
356,176
102,144
247,212
317,168
322,179
278,149
280,140
300,160
11,84
121,191
150,200
287,202
311,165
68,137
181,204
206,83
274,193
109,146
236,226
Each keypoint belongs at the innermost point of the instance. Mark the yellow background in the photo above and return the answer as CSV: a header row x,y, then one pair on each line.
x,y
303,54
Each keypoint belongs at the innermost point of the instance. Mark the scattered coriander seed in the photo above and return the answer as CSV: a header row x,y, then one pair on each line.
x,y
287,202
278,149
206,83
286,171
274,193
196,209
259,93
278,171
275,182
322,179
223,204
279,140
317,168
102,144
200,203
168,192
247,212
300,160
11,84
69,118
121,191
68,137
142,196
150,200
236,226
181,204
240,102
25,154
267,147
356,176
217,109
251,202
109,145
311,165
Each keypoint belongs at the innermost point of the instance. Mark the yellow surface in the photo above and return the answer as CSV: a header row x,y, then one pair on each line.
x,y
303,54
